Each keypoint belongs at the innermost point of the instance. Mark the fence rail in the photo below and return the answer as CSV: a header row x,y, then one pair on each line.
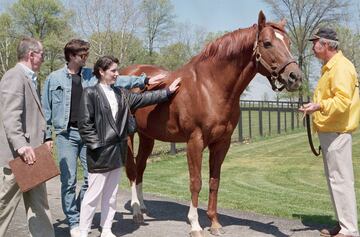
x,y
272,117
257,119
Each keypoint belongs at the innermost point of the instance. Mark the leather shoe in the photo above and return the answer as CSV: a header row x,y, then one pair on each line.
x,y
331,232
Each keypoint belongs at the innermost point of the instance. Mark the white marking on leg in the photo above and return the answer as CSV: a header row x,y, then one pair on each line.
x,y
194,218
140,194
134,195
135,204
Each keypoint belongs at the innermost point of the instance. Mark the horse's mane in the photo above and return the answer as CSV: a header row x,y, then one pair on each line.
x,y
232,43
228,45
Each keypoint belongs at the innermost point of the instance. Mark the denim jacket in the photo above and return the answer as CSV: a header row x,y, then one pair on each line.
x,y
56,96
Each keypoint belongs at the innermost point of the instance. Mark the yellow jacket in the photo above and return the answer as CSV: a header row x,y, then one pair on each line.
x,y
337,93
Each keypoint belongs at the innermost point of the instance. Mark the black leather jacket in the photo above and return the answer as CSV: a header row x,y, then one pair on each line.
x,y
106,138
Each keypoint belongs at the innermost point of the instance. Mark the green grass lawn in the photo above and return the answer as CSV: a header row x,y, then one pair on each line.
x,y
274,176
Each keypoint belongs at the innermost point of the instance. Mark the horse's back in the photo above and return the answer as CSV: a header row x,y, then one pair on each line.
x,y
138,69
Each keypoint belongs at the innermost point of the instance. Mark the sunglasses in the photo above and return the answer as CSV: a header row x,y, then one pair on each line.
x,y
83,55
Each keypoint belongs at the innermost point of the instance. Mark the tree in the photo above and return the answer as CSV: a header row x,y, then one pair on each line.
x,y
173,56
158,21
349,44
46,20
110,28
304,17
191,36
39,18
7,43
134,52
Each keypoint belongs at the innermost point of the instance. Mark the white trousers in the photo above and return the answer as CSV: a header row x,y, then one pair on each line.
x,y
104,186
339,172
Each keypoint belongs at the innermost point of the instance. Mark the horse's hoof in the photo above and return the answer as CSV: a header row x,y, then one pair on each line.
x,y
144,211
138,219
217,231
197,233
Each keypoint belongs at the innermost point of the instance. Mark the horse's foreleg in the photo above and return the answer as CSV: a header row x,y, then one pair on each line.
x,y
217,155
145,147
195,147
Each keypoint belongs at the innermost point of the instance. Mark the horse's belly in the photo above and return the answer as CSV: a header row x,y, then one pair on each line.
x,y
156,122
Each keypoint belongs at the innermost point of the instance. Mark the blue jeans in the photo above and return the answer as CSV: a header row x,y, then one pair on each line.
x,y
69,148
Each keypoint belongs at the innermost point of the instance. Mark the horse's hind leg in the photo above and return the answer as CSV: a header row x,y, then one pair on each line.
x,y
217,155
145,148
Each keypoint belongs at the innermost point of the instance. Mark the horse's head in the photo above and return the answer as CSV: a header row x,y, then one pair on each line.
x,y
273,57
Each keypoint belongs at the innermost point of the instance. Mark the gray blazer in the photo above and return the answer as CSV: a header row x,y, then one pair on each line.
x,y
22,121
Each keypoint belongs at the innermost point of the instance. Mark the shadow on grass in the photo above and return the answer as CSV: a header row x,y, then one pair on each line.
x,y
314,222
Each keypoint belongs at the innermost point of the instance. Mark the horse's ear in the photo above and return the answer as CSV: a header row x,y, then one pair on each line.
x,y
282,23
261,20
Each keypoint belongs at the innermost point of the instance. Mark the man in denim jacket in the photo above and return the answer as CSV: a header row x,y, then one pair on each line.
x,y
61,100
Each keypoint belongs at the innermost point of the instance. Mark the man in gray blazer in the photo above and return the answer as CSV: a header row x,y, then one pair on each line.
x,y
22,128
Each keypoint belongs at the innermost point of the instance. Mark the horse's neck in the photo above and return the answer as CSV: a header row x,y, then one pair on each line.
x,y
235,72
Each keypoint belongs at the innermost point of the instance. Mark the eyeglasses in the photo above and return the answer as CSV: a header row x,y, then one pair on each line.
x,y
41,53
83,55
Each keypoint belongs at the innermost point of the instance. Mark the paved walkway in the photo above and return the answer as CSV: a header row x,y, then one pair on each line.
x,y
167,218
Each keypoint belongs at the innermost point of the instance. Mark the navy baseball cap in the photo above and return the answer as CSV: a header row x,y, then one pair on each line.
x,y
325,33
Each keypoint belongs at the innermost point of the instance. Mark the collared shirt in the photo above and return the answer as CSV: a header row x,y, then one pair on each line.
x,y
337,92
30,74
110,95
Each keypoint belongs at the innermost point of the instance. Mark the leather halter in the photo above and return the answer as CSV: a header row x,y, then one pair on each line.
x,y
273,71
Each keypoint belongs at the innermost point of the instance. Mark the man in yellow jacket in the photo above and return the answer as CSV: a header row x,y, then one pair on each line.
x,y
336,112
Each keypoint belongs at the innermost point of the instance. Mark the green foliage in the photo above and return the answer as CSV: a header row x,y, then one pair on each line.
x,y
173,56
127,47
7,43
38,18
349,44
46,20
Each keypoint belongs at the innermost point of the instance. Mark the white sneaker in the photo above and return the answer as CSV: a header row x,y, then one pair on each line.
x,y
107,234
75,232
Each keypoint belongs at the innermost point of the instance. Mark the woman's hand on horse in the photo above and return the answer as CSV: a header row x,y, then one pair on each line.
x,y
157,79
175,85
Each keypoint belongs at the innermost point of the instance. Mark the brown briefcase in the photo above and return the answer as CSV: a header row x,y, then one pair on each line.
x,y
29,176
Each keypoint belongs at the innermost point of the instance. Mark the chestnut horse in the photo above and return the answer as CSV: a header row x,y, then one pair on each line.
x,y
205,110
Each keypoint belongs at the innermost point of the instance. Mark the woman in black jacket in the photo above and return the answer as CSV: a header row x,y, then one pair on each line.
x,y
104,128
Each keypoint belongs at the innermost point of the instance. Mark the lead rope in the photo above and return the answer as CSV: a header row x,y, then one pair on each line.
x,y
308,129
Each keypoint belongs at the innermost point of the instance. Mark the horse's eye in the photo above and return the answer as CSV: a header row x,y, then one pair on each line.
x,y
267,44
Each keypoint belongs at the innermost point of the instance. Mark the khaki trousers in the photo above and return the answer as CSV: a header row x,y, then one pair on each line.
x,y
338,167
36,206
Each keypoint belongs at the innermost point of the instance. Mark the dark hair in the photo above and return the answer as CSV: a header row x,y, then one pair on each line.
x,y
75,46
104,63
26,45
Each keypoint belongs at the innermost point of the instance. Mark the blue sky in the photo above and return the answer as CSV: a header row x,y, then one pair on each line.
x,y
227,15
220,15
